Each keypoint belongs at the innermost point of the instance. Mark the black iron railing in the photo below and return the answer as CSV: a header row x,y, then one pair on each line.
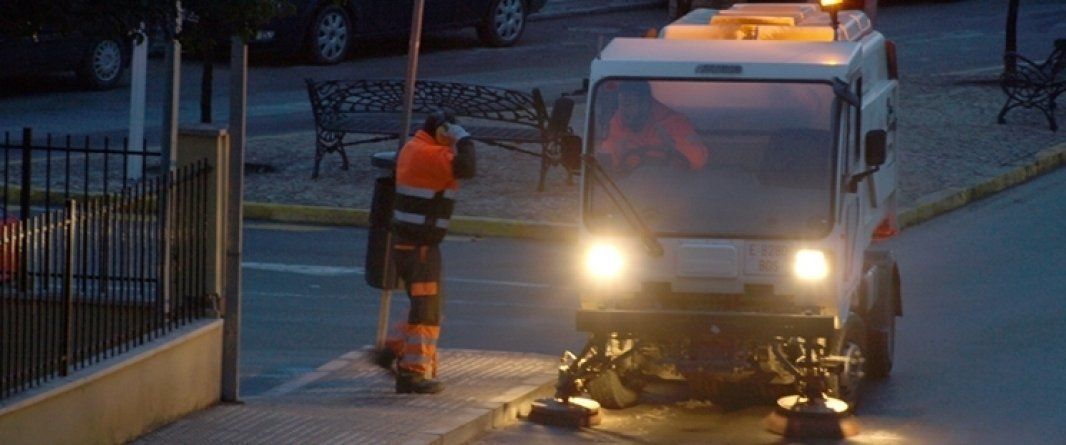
x,y
41,173
84,283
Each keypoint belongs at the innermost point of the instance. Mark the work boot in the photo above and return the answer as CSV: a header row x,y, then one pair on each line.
x,y
416,383
384,357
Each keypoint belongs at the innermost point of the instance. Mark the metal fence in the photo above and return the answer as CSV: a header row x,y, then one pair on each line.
x,y
40,175
89,281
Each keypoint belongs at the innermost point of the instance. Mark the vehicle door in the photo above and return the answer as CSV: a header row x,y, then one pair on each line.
x,y
852,203
452,13
46,50
391,16
385,16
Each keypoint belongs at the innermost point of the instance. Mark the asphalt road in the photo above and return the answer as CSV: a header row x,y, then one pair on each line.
x,y
979,348
933,37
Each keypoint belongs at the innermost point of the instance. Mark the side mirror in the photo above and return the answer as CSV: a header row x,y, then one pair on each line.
x,y
559,121
570,152
875,147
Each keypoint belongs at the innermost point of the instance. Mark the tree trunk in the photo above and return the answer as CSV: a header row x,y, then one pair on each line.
x,y
1010,62
206,84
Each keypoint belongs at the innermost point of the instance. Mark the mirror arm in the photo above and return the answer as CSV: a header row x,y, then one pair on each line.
x,y
853,182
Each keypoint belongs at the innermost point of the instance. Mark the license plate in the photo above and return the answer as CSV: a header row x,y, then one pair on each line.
x,y
766,259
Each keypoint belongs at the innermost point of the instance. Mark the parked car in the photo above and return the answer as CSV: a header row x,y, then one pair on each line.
x,y
324,31
99,62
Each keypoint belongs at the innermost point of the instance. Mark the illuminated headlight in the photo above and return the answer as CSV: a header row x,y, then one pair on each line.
x,y
604,261
810,265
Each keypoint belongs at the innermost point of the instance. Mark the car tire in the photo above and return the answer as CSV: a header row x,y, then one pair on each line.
x,y
103,64
329,36
503,23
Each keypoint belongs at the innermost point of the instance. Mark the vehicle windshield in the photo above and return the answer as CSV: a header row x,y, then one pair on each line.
x,y
714,158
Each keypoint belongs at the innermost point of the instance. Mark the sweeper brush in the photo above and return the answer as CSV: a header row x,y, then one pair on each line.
x,y
575,412
800,417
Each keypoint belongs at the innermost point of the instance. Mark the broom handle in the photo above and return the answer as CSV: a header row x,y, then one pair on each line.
x,y
386,295
383,317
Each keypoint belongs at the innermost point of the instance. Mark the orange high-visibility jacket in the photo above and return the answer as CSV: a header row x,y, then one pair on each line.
x,y
427,178
664,128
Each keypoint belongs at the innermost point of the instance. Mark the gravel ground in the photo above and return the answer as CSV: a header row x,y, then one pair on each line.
x,y
948,137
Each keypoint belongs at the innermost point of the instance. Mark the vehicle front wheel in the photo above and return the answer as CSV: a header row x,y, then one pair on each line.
x,y
607,388
504,23
330,36
847,384
103,64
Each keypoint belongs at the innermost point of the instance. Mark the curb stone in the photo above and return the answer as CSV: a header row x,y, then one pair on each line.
x,y
944,201
924,209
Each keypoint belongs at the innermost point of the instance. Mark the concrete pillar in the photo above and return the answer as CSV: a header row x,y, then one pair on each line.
x,y
197,142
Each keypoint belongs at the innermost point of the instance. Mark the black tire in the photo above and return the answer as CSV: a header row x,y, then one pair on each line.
x,y
882,343
103,64
882,348
504,23
607,388
848,385
330,36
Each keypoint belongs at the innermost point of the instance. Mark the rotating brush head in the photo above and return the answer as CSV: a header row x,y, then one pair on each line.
x,y
576,412
799,417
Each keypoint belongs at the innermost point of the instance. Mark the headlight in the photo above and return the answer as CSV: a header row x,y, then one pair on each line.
x,y
604,260
810,265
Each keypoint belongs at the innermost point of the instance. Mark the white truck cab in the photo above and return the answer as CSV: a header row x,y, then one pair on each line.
x,y
737,174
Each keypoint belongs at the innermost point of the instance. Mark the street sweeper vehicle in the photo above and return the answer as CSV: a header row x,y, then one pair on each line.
x,y
738,180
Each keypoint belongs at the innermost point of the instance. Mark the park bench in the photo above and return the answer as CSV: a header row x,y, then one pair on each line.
x,y
496,116
1034,85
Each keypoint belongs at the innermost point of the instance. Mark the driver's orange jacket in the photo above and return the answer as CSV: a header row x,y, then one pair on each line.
x,y
665,128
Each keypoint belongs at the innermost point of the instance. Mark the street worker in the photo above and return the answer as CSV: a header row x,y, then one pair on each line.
x,y
428,170
644,130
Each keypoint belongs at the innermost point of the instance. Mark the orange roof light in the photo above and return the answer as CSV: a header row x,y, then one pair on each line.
x,y
831,2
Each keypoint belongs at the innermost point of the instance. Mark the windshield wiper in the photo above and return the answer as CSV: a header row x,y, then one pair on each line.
x,y
651,242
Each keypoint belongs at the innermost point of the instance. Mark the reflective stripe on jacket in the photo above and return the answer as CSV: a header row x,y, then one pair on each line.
x,y
425,190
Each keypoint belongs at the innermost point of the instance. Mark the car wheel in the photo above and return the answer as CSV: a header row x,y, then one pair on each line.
x,y
103,64
608,390
330,36
504,23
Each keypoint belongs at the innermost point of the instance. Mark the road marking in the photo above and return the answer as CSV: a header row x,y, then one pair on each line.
x,y
287,227
336,271
981,70
304,269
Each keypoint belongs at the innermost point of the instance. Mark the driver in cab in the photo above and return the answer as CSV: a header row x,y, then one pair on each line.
x,y
644,130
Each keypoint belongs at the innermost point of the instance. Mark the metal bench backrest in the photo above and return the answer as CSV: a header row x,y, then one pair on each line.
x,y
339,97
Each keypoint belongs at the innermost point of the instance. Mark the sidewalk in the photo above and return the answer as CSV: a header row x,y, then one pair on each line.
x,y
350,401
